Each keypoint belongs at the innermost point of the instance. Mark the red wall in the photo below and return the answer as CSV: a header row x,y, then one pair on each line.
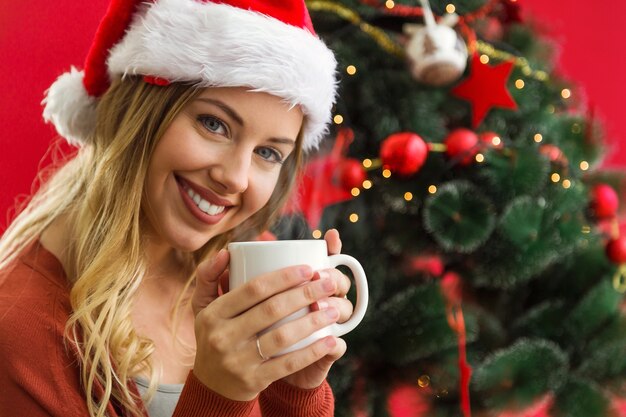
x,y
39,43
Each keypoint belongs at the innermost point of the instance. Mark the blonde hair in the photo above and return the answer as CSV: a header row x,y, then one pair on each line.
x,y
100,191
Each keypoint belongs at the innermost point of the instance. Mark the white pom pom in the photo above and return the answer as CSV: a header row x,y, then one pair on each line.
x,y
70,109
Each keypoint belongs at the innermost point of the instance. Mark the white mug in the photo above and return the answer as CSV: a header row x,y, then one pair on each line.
x,y
251,259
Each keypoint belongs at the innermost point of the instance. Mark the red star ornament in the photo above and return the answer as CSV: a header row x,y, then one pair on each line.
x,y
485,87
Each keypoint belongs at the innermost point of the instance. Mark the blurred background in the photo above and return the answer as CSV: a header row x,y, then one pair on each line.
x,y
39,43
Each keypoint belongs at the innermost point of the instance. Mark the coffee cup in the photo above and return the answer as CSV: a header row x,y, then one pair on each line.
x,y
249,260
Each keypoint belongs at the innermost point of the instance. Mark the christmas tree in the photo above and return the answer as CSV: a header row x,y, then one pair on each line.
x,y
466,177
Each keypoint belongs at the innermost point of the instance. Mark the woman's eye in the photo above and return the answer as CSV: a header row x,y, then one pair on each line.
x,y
270,154
213,124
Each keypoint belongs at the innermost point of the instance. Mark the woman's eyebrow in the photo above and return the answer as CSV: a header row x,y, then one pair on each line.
x,y
225,107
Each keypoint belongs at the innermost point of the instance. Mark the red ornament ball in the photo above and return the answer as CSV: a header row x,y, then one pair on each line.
x,y
462,144
604,201
553,153
409,401
616,250
351,174
403,153
491,140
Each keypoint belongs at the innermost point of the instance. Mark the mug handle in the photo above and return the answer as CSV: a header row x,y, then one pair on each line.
x,y
362,293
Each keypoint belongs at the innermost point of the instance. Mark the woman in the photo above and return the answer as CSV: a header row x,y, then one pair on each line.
x,y
191,119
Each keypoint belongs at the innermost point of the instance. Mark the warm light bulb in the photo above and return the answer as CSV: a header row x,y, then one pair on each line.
x,y
317,234
386,173
367,184
390,4
423,381
450,8
555,177
584,165
408,196
519,84
354,217
480,157
496,141
566,93
538,137
484,59
567,184
351,70
367,163
432,189
338,119
355,192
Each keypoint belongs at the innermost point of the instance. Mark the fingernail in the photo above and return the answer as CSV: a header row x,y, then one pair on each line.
x,y
331,342
305,271
328,285
331,313
323,274
322,305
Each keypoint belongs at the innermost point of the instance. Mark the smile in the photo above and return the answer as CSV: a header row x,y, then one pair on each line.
x,y
205,206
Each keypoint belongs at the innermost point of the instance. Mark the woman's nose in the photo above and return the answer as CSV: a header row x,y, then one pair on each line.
x,y
232,172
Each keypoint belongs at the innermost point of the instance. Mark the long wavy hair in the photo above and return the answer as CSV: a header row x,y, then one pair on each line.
x,y
100,192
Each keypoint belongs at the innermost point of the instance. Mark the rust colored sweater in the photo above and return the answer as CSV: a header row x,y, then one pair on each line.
x,y
40,377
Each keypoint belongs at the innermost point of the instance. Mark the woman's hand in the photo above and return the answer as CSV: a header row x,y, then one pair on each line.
x,y
313,375
227,358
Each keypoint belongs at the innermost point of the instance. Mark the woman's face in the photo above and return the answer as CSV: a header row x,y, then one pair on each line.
x,y
217,164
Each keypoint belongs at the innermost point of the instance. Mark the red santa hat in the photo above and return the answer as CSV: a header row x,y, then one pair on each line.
x,y
266,45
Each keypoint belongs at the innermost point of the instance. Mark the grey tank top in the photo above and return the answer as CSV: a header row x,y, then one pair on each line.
x,y
164,400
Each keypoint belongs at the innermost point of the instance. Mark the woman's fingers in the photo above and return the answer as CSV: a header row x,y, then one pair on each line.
x,y
286,335
256,291
208,276
333,241
290,363
282,305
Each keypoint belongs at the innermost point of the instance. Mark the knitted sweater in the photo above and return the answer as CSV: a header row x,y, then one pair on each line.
x,y
39,376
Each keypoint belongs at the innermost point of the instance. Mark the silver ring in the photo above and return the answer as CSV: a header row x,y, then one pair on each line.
x,y
258,349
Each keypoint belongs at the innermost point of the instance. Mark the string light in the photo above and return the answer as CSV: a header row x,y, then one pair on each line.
x,y
566,93
317,234
450,8
351,69
484,59
408,196
555,177
355,192
519,84
354,217
520,62
480,157
390,4
496,141
338,119
432,189
367,163
584,165
538,137
386,173
567,184
367,184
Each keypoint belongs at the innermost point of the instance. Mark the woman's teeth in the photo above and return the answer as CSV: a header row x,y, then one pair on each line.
x,y
204,205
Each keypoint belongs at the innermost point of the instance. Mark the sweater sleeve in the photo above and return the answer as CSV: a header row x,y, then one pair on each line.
x,y
197,400
282,399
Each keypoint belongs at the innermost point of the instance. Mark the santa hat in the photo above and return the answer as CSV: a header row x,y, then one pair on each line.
x,y
266,45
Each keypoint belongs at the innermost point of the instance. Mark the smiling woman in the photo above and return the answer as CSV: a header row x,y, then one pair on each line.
x,y
218,164
188,139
